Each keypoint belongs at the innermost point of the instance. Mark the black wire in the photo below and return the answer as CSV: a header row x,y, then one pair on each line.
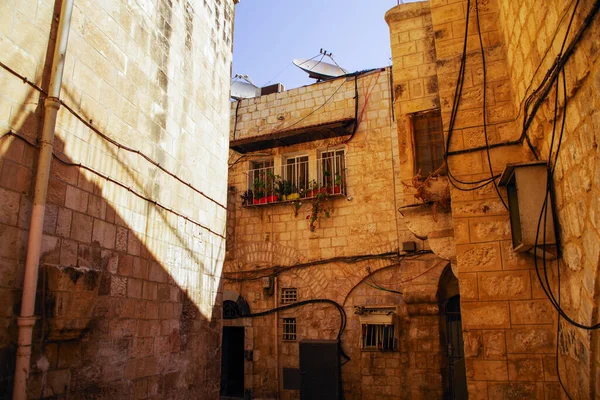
x,y
343,316
485,134
237,108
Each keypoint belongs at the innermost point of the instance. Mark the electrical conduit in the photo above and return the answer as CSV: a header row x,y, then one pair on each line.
x,y
26,320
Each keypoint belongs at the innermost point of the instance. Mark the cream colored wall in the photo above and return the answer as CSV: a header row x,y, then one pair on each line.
x,y
148,75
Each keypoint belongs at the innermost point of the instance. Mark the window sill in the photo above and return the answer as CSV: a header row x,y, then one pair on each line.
x,y
264,201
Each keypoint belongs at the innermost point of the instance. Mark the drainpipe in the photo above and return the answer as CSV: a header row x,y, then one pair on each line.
x,y
26,320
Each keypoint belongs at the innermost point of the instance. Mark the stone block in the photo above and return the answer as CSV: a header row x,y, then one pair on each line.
x,y
532,312
525,367
478,257
482,370
81,228
513,285
515,390
535,339
485,315
487,229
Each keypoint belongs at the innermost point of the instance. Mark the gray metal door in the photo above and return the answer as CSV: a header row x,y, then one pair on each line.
x,y
456,352
319,370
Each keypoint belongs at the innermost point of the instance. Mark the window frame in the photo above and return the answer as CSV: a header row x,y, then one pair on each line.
x,y
329,182
290,329
429,143
380,321
296,166
286,295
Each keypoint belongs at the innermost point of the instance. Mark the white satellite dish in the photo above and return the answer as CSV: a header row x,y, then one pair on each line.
x,y
319,69
244,90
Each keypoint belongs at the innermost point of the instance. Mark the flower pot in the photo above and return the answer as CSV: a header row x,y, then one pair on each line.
x,y
323,190
311,193
293,196
255,201
262,200
337,189
271,199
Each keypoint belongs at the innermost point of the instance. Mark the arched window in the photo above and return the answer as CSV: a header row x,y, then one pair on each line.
x,y
231,310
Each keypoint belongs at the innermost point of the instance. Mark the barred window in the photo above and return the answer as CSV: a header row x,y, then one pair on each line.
x,y
378,337
289,295
289,329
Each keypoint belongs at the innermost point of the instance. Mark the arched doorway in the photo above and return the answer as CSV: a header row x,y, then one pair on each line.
x,y
232,350
451,338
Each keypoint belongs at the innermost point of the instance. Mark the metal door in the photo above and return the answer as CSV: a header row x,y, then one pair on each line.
x,y
456,353
319,370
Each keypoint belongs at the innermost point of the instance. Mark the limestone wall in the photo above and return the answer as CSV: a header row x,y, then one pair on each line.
x,y
365,221
154,76
509,325
534,36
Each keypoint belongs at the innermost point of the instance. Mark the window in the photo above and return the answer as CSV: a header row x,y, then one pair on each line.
x,y
231,310
261,179
289,295
289,329
330,171
377,328
295,171
429,142
378,337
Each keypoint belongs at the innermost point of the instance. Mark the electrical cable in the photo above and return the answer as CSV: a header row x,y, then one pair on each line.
x,y
110,140
485,134
343,316
108,178
277,270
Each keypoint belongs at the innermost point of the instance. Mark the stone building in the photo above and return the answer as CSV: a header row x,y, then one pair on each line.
x,y
473,86
127,301
334,146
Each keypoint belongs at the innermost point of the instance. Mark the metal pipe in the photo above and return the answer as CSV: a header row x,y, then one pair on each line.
x,y
27,318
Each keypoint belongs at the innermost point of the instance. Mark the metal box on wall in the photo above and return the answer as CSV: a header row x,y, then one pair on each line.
x,y
319,370
526,185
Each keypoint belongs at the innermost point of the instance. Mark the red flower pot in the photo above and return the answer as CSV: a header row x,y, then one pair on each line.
x,y
271,199
337,189
255,201
310,193
263,200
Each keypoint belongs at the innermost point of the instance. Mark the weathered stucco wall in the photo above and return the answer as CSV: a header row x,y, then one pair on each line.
x,y
154,76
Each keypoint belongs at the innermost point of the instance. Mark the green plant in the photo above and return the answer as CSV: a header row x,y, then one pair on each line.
x,y
338,180
247,197
259,188
318,210
283,187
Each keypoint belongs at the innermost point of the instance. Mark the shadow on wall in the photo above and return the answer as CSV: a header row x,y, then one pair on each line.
x,y
114,320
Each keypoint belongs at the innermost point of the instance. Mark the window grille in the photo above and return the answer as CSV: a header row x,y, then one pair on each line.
x,y
330,169
378,337
231,310
295,171
261,178
289,295
289,329
429,142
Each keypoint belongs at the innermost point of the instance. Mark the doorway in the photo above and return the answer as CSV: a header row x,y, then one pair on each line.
x,y
232,362
451,338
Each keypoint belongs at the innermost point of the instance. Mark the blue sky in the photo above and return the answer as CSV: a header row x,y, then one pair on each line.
x,y
269,34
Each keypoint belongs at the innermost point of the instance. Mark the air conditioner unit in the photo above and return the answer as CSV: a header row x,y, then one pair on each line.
x,y
526,189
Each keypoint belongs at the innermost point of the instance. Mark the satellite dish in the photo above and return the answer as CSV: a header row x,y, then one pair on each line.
x,y
244,90
319,69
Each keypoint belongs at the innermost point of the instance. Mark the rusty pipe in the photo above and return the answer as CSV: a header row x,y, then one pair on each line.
x,y
26,319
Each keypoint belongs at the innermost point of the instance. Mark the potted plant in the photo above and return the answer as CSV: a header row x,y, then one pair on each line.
x,y
247,198
284,190
337,184
271,184
259,192
313,189
292,192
